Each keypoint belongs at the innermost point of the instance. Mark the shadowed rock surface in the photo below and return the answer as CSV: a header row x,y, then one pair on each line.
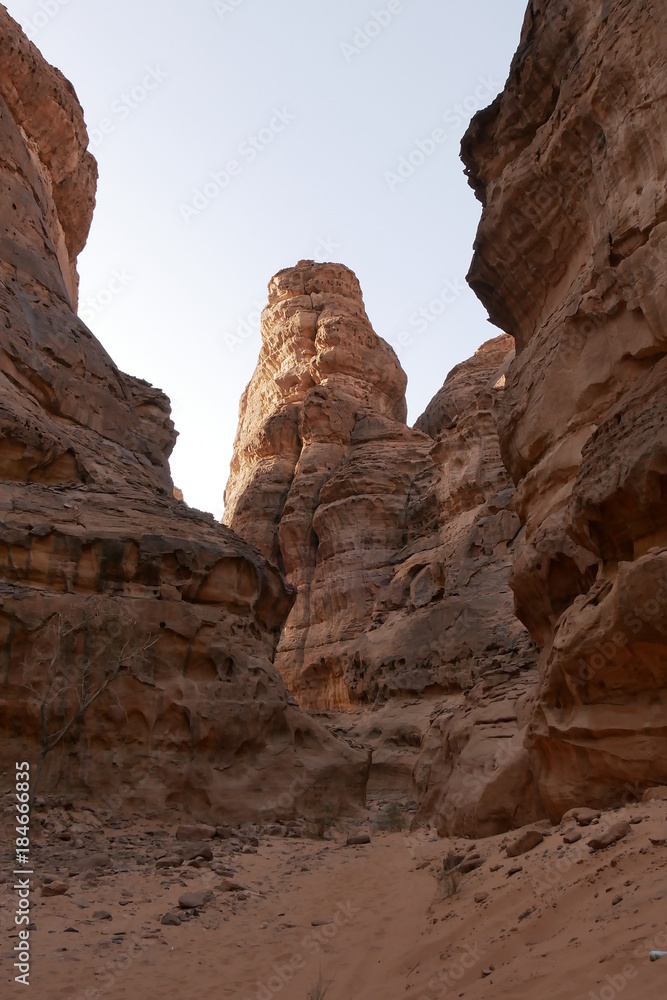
x,y
374,572
87,510
570,258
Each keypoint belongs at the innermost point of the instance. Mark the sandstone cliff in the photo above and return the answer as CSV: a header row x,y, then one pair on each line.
x,y
570,165
87,509
310,484
398,541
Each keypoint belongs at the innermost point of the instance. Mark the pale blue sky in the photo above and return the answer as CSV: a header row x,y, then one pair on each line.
x,y
315,104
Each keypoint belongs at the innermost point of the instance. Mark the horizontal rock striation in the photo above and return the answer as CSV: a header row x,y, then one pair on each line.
x,y
397,540
570,258
313,481
87,514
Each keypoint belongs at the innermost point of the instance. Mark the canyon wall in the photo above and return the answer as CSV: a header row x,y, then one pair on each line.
x,y
407,575
570,166
93,543
398,540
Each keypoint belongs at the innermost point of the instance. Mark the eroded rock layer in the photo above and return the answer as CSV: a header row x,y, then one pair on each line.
x,y
313,481
397,540
570,164
87,512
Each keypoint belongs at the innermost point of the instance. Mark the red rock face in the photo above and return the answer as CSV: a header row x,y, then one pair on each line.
x,y
327,391
398,541
87,510
50,175
570,165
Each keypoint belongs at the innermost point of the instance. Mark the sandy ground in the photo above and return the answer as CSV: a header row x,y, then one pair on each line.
x,y
378,922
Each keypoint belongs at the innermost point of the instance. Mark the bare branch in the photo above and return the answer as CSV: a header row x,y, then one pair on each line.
x,y
67,679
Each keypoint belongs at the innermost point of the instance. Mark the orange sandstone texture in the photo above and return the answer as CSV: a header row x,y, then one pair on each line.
x,y
397,540
570,164
87,509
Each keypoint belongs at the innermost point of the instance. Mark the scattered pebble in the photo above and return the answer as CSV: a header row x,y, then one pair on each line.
x,y
230,886
195,851
652,794
524,843
615,833
55,888
582,816
193,900
200,831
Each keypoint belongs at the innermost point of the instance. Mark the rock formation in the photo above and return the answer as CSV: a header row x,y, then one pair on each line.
x,y
88,510
395,615
398,541
570,258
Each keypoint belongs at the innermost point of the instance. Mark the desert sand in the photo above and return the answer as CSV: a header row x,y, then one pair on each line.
x,y
378,921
